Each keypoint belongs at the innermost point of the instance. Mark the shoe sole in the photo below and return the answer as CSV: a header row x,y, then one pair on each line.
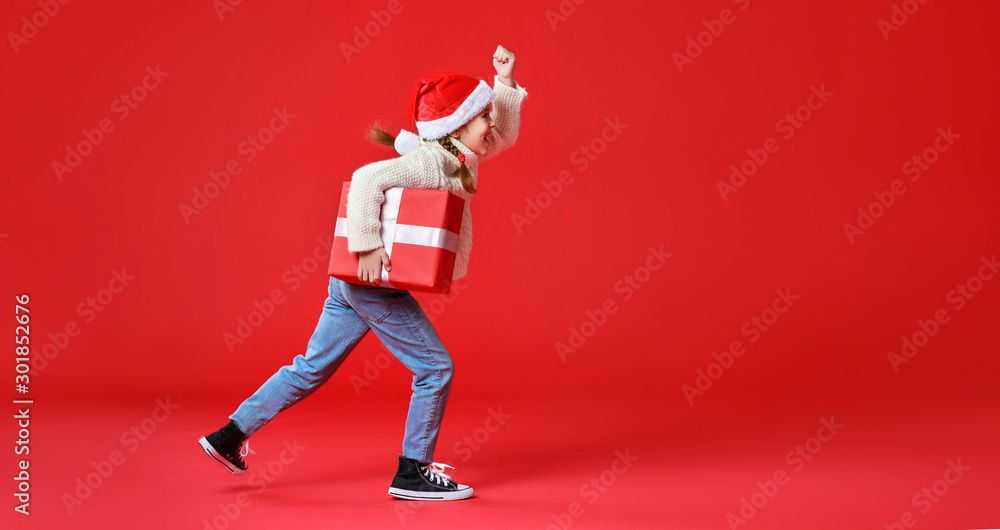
x,y
431,495
219,458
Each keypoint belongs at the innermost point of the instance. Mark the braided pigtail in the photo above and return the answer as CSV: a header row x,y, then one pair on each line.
x,y
463,172
379,136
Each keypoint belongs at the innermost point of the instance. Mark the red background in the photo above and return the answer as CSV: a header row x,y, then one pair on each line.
x,y
653,185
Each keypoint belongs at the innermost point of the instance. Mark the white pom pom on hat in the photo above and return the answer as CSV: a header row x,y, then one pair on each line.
x,y
441,103
406,141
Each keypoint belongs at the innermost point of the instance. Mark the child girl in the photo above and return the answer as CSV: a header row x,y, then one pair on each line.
x,y
460,122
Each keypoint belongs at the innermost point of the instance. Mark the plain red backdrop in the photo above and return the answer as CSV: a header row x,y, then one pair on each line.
x,y
653,184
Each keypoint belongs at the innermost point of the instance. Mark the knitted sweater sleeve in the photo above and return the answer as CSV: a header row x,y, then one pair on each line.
x,y
507,113
418,168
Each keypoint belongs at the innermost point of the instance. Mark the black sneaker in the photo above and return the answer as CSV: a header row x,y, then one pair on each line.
x,y
426,482
227,446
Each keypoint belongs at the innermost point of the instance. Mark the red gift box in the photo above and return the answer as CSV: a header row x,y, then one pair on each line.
x,y
419,231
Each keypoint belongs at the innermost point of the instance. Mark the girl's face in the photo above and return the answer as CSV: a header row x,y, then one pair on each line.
x,y
476,133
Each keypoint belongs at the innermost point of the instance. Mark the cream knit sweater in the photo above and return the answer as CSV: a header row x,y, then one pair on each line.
x,y
429,166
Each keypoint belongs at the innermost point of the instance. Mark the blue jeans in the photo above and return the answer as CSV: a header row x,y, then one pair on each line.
x,y
349,312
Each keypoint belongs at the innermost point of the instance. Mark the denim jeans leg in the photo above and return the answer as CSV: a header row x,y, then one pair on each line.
x,y
339,330
403,327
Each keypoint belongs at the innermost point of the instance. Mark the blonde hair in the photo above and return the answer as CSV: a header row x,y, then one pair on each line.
x,y
378,135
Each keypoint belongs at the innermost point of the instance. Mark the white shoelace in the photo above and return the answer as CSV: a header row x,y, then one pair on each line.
x,y
435,472
245,449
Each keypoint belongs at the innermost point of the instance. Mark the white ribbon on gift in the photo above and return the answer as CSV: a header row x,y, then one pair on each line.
x,y
391,232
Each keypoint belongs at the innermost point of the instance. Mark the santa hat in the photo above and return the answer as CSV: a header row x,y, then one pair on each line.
x,y
441,103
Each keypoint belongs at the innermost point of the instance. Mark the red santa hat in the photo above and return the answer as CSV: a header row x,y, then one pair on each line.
x,y
441,103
